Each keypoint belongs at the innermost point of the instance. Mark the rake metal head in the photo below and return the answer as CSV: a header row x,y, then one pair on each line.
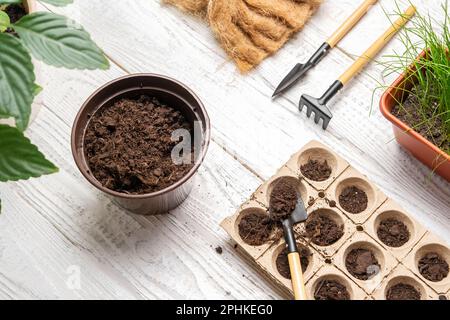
x,y
318,107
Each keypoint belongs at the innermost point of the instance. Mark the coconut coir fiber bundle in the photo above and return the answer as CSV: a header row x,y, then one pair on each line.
x,y
252,30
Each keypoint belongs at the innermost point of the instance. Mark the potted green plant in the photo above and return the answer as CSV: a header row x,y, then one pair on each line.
x,y
418,102
51,39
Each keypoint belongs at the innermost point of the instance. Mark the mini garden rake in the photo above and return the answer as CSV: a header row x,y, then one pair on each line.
x,y
318,106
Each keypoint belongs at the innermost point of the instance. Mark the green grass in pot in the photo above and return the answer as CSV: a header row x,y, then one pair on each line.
x,y
54,40
431,89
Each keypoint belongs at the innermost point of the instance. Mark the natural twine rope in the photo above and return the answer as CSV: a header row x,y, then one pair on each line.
x,y
251,30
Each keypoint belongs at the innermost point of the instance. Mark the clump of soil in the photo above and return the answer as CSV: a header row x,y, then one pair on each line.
x,y
283,200
15,13
403,291
353,200
283,262
128,146
256,228
393,233
316,170
433,267
219,250
362,264
322,230
331,290
411,113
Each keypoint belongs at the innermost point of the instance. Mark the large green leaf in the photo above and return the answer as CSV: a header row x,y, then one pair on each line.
x,y
16,81
19,158
59,42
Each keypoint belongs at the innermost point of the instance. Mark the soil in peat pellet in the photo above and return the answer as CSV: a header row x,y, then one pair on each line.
x,y
413,115
402,291
283,200
393,233
128,146
15,12
331,290
283,262
353,200
362,264
433,267
316,170
322,230
256,229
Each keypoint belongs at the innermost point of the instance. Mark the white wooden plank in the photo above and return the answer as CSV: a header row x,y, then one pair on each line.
x,y
262,133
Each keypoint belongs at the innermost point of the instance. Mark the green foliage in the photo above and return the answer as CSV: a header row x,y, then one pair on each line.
x,y
56,41
431,75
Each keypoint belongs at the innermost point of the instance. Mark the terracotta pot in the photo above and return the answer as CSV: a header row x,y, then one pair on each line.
x,y
419,146
166,90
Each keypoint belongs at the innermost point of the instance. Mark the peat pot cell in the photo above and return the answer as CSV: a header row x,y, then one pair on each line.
x,y
394,229
356,196
405,288
430,260
330,284
325,229
282,262
318,165
281,191
276,264
256,229
401,284
365,261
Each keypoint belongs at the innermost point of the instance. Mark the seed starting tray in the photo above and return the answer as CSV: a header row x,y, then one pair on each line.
x,y
397,265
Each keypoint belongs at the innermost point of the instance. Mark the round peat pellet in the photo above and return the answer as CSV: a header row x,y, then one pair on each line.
x,y
393,233
255,228
433,267
353,200
362,264
316,170
402,291
331,290
323,230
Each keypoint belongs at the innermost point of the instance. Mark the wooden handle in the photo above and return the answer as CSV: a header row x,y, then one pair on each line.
x,y
350,22
298,282
376,47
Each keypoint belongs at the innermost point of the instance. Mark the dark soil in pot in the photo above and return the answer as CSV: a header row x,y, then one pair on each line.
x,y
316,170
322,230
362,264
15,13
282,261
256,229
402,291
411,113
393,233
331,290
353,200
128,146
433,267
283,200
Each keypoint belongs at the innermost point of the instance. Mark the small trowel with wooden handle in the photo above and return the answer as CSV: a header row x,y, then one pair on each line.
x,y
301,69
299,215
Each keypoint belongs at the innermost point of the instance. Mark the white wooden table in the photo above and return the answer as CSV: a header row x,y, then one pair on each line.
x,y
55,226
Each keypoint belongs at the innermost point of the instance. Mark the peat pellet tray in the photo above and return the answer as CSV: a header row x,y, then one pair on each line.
x,y
378,251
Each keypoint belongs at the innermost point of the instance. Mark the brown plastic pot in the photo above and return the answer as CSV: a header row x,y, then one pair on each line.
x,y
419,146
166,90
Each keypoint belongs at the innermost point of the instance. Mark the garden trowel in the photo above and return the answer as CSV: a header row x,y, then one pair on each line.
x,y
301,69
299,215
